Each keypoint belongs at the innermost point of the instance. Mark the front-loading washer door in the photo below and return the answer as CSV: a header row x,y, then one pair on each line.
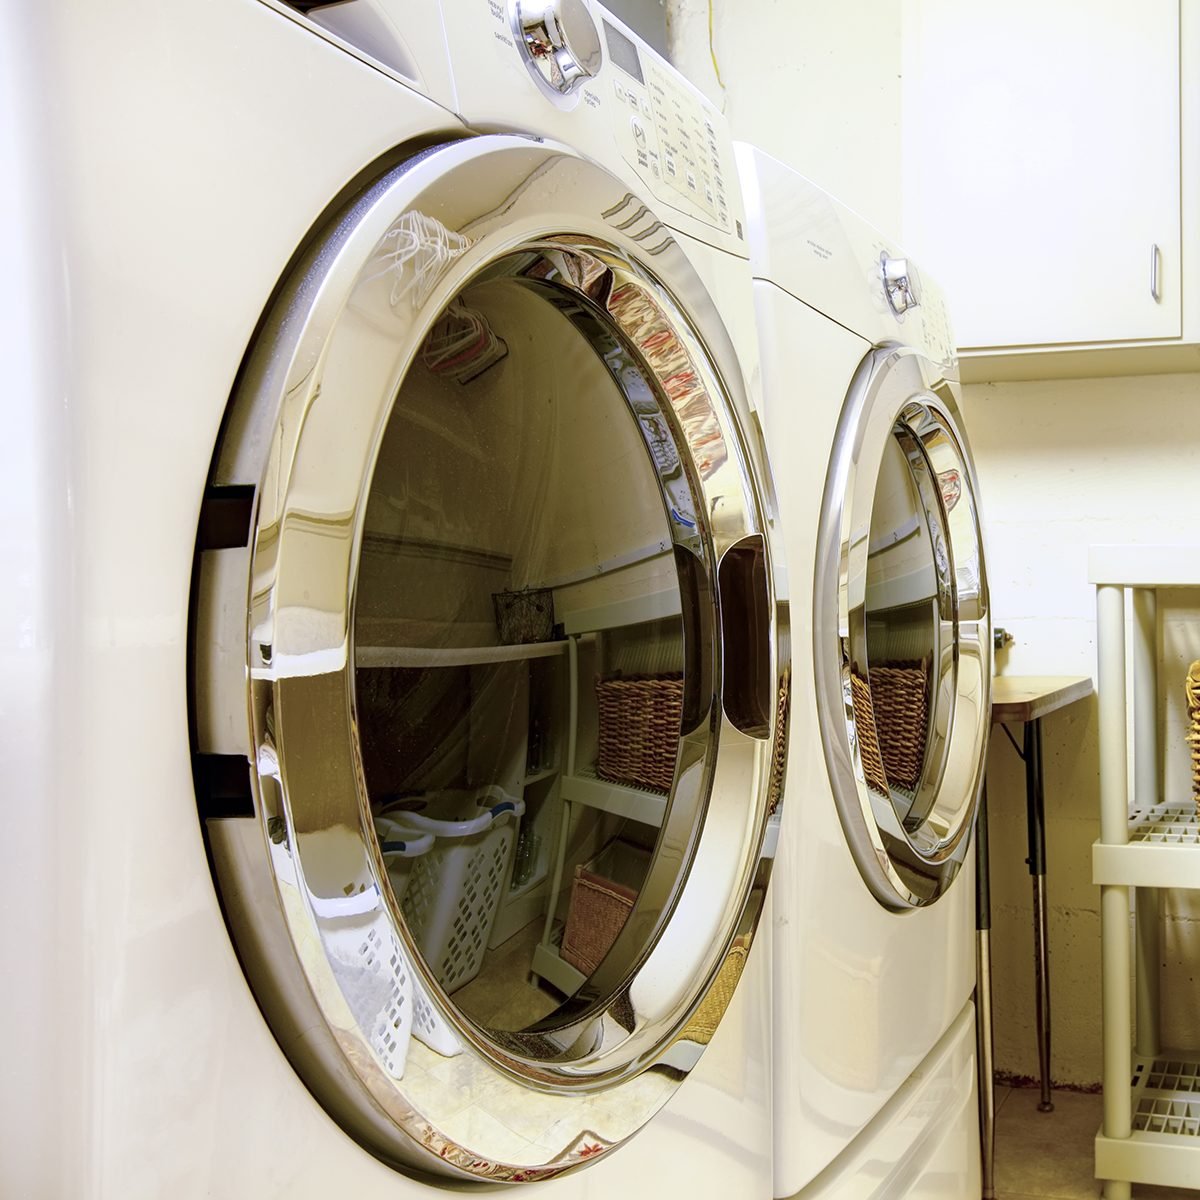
x,y
902,629
506,660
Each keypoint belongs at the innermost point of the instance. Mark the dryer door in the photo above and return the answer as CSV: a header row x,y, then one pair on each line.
x,y
506,634
902,629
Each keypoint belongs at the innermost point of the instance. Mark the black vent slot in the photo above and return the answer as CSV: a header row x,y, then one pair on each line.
x,y
222,786
225,516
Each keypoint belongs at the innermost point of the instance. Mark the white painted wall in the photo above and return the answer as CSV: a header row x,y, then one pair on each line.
x,y
816,85
1064,465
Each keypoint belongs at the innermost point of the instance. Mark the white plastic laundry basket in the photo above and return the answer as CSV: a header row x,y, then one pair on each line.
x,y
449,868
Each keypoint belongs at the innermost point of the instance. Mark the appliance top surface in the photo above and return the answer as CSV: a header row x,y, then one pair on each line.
x,y
603,90
812,246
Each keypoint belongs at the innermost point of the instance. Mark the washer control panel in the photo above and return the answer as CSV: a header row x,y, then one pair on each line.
x,y
669,138
569,70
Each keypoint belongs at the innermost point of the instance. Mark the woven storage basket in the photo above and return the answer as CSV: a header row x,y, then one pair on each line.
x,y
602,896
779,754
1192,687
639,729
890,715
716,1000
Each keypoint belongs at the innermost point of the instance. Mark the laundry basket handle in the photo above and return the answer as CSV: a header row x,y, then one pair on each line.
x,y
398,841
410,822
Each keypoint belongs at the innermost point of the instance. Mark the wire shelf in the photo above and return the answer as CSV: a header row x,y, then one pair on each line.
x,y
1166,824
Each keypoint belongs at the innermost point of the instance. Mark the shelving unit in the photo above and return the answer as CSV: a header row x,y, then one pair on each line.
x,y
587,788
580,786
1151,1128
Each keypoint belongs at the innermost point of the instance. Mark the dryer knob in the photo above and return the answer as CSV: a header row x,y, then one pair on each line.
x,y
901,283
560,40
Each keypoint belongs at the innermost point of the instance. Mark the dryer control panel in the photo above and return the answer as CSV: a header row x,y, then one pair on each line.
x,y
569,70
816,248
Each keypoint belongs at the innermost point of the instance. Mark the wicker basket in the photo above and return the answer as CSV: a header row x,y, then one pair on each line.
x,y
707,1017
779,753
890,714
1192,687
602,896
639,717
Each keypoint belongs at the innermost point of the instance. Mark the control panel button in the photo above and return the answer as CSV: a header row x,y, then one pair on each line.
x,y
639,131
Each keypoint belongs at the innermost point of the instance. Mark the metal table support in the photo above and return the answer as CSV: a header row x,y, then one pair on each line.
x,y
1026,699
1035,816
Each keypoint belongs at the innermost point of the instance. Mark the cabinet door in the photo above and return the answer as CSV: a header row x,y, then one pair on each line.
x,y
1041,166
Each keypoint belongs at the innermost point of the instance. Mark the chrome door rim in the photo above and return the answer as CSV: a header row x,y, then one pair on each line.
x,y
897,386
498,196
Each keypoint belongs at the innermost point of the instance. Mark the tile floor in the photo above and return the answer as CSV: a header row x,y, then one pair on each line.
x,y
501,995
1041,1155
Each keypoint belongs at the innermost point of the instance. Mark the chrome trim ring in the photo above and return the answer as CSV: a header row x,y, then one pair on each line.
x,y
305,427
898,394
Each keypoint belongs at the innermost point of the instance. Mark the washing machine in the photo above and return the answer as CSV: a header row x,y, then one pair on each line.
x,y
394,668
874,905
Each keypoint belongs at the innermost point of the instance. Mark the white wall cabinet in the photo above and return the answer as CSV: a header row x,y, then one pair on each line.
x,y
1042,168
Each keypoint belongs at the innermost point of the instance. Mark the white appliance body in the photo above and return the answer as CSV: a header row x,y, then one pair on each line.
x,y
873,1020
162,163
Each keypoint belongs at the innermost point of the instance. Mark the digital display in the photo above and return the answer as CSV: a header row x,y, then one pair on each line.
x,y
623,52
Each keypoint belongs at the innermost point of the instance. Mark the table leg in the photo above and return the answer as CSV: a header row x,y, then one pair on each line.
x,y
983,1004
1035,809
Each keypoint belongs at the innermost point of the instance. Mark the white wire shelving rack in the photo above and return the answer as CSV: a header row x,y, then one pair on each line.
x,y
1151,1126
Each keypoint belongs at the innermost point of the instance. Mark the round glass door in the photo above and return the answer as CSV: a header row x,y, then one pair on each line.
x,y
903,634
511,651
529,536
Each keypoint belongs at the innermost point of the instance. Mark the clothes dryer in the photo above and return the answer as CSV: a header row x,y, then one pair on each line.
x,y
873,1020
398,613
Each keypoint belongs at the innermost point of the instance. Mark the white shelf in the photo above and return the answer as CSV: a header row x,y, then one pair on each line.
x,y
452,656
1144,566
632,610
587,788
1163,850
1164,1145
555,970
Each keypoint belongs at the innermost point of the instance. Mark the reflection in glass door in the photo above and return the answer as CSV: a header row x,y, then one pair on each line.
x,y
520,645
902,622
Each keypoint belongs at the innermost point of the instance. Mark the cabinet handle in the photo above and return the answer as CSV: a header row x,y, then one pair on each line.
x,y
1155,259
